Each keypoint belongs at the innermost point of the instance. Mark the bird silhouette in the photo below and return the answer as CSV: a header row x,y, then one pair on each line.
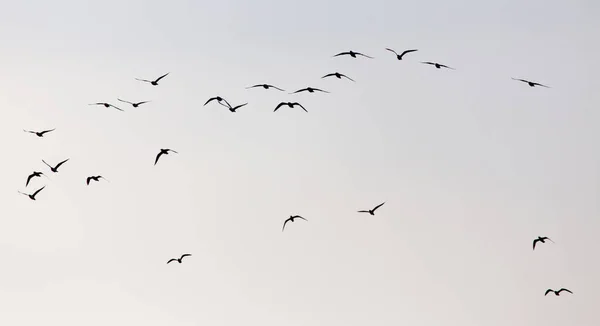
x,y
310,90
55,169
530,83
540,239
134,104
291,219
372,211
352,54
233,109
338,75
163,151
219,100
154,82
95,178
32,196
265,86
557,293
106,105
399,56
39,133
437,65
289,104
178,259
33,175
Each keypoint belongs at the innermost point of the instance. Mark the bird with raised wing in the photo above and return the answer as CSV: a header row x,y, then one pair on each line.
x,y
291,219
179,260
265,86
153,82
540,239
95,178
234,108
134,104
289,104
530,83
163,151
33,175
220,100
32,196
372,211
55,169
39,133
557,293
310,90
352,54
106,105
399,56
437,65
338,75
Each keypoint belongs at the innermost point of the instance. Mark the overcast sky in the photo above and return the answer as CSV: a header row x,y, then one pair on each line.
x,y
472,165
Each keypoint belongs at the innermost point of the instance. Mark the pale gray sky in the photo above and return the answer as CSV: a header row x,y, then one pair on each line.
x,y
472,164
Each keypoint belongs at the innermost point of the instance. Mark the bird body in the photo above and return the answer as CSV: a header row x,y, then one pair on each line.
x,y
32,196
557,293
179,260
372,211
55,168
291,219
154,82
233,109
289,104
163,151
338,75
39,133
399,56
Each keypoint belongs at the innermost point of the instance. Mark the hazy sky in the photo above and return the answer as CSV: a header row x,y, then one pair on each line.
x,y
473,165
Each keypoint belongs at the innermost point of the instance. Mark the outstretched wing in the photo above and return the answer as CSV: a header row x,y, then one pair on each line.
x,y
300,217
341,53
407,51
88,180
346,77
300,90
59,164
172,259
144,80
428,62
115,107
391,51
328,75
157,157
521,80
210,100
124,101
170,150
300,105
257,85
447,67
29,178
277,88
37,191
29,131
284,223
566,290
364,55
534,242
320,90
376,207
548,291
538,84
140,103
45,131
279,105
363,211
50,166
161,77
239,106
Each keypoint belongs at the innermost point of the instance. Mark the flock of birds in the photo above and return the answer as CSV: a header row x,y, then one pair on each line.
x,y
220,100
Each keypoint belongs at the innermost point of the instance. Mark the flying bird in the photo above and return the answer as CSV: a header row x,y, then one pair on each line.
x,y
134,104
39,133
532,84
154,82
352,54
372,211
399,56
55,169
557,293
163,151
310,90
540,239
95,178
106,105
32,196
437,65
289,104
338,75
220,100
232,109
33,175
265,86
178,259
291,219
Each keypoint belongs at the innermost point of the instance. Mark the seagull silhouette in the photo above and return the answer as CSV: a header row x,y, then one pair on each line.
x,y
32,196
39,133
106,105
289,104
233,109
532,84
163,151
178,259
338,75
372,211
557,293
310,90
154,82
55,169
265,86
134,104
291,219
220,100
33,175
95,178
352,54
437,65
540,239
399,56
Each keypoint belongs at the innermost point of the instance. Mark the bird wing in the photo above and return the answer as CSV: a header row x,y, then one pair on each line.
x,y
541,85
124,101
161,77
257,85
185,255
115,107
328,75
172,259
346,77
50,166
157,157
29,178
376,207
364,55
566,290
320,90
300,217
144,80
428,62
88,180
22,193
447,67
284,223
210,100
37,191
140,103
45,131
300,90
229,105
548,291
98,103
300,105
277,88
534,242
341,53
239,106
522,80
279,105
29,131
391,51
407,51
170,150
363,211
59,164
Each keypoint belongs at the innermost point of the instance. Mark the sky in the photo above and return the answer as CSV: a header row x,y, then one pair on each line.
x,y
471,164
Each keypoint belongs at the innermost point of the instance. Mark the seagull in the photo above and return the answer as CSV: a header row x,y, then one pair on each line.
x,y
163,151
437,65
33,175
106,105
232,109
352,54
95,178
55,169
372,211
135,105
338,75
265,86
310,90
540,239
291,219
290,104
32,196
178,260
154,82
39,133
399,56
532,84
557,293
219,99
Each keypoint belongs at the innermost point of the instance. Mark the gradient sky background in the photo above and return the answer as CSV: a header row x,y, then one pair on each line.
x,y
472,164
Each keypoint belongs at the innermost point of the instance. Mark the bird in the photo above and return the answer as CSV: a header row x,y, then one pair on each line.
x,y
135,105
437,65
265,86
291,219
372,211
154,82
106,105
540,239
33,175
163,151
532,84
39,133
55,169
95,178
32,196
338,75
232,109
290,104
310,90
399,56
352,54
178,259
219,99
557,293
